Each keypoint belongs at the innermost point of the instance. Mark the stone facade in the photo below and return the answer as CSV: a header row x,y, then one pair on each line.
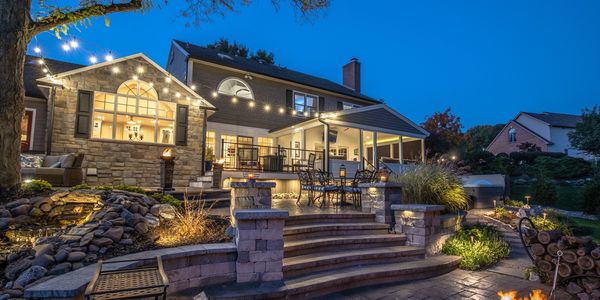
x,y
377,198
250,195
259,240
124,162
501,144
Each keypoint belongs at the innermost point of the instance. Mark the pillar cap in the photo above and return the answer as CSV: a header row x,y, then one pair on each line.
x,y
381,185
260,214
418,207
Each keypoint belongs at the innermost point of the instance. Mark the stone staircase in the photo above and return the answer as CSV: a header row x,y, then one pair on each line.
x,y
326,253
203,182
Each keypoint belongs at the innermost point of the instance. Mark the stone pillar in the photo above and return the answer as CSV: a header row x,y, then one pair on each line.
x,y
378,197
249,195
259,241
421,224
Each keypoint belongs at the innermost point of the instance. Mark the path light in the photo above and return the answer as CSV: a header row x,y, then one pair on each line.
x,y
167,166
527,198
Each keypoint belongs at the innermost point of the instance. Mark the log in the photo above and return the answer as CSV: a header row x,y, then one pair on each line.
x,y
590,284
586,263
546,237
585,249
548,257
595,253
598,267
563,243
545,266
552,249
569,256
538,249
564,270
579,240
577,269
574,288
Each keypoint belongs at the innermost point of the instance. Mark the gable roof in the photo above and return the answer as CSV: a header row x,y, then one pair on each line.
x,y
556,119
378,117
248,65
33,70
502,132
205,104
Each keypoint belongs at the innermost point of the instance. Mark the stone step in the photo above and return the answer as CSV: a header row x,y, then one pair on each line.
x,y
341,243
294,233
214,202
329,218
204,179
201,184
324,283
323,261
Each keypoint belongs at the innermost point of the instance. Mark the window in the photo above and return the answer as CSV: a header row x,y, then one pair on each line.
x,y
305,103
133,114
348,105
210,143
512,135
235,87
264,145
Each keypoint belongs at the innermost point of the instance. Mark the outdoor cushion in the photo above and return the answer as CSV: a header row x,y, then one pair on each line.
x,y
327,188
67,160
50,160
31,161
55,165
351,189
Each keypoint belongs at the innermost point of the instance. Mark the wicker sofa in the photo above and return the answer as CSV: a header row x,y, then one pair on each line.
x,y
59,170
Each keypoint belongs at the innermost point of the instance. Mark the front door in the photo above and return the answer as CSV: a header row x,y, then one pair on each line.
x,y
26,124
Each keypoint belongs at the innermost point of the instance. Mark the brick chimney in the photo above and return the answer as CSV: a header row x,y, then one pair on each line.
x,y
351,74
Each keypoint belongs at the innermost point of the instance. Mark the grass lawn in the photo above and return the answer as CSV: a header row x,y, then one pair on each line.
x,y
595,225
569,197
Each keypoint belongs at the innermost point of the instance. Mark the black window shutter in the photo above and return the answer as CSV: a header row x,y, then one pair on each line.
x,y
340,105
181,125
289,101
83,117
321,104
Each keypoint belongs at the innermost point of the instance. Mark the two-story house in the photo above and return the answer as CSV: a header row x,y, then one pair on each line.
x,y
272,118
548,131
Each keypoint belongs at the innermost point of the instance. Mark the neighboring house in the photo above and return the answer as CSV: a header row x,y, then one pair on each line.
x,y
122,115
285,115
548,131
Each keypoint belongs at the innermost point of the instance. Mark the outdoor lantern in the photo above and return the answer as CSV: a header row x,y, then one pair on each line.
x,y
342,171
383,175
167,166
251,178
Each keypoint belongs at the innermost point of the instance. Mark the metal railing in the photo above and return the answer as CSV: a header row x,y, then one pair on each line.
x,y
251,157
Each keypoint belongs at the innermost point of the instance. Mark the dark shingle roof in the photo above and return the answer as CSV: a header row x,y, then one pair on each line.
x,y
248,65
380,118
557,119
33,71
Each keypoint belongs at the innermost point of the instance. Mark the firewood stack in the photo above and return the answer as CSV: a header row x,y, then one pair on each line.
x,y
581,256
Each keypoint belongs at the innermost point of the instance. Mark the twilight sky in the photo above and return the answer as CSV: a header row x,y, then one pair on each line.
x,y
487,60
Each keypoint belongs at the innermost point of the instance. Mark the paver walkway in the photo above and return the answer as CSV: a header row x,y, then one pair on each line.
x,y
458,284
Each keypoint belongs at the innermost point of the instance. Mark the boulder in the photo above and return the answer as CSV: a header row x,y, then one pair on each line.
x,y
36,212
30,275
21,210
22,220
93,248
152,221
86,239
114,233
164,211
126,242
101,242
4,223
76,256
61,255
43,260
13,270
110,215
61,268
78,265
13,293
43,249
18,202
4,213
141,228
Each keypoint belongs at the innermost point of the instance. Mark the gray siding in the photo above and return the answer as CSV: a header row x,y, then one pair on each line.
x,y
207,79
41,113
177,63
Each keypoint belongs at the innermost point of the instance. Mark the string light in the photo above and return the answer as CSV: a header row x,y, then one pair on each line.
x,y
267,107
134,77
93,59
193,87
165,90
37,49
40,61
140,69
234,99
109,57
74,43
116,70
281,110
66,47
214,94
294,113
177,94
305,114
251,103
168,79
45,70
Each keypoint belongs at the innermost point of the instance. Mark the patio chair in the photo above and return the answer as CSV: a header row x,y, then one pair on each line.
x,y
361,176
248,158
306,184
326,187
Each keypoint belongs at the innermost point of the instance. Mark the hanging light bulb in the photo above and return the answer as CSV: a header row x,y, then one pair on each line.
x,y
45,70
193,87
151,84
177,94
294,113
305,114
168,79
281,110
234,99
187,98
109,56
140,69
74,43
37,49
251,104
134,77
116,70
214,94
93,59
40,61
165,90
267,107
66,47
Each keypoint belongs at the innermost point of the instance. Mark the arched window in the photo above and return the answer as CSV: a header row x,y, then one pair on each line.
x,y
512,135
137,88
235,87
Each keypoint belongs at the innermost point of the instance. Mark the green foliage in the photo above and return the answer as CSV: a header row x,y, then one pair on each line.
x,y
552,222
479,137
495,165
586,136
568,197
167,199
515,203
593,225
565,167
500,213
83,186
432,184
223,45
591,196
35,186
478,245
544,191
445,133
529,157
103,187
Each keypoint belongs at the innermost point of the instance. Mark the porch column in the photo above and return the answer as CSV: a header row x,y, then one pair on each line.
x,y
218,151
303,143
326,146
401,154
360,149
423,150
293,146
375,160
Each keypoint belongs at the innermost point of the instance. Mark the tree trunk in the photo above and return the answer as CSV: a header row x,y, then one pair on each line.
x,y
15,35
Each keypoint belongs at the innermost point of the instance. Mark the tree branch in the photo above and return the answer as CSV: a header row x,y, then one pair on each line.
x,y
55,20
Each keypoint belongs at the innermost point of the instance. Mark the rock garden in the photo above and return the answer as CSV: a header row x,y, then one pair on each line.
x,y
47,233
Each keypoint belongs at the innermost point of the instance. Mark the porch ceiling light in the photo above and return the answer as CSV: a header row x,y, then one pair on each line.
x,y
109,57
93,59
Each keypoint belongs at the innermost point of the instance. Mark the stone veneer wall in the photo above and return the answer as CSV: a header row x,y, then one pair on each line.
x,y
123,162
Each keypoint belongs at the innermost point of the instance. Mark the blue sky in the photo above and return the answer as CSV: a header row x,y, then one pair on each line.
x,y
487,60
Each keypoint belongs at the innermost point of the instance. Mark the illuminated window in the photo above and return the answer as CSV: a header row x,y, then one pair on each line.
x,y
134,114
305,103
512,135
235,87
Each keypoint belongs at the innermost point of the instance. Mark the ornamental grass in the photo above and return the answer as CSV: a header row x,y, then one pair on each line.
x,y
478,245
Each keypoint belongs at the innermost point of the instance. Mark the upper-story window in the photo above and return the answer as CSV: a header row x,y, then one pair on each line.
x,y
305,104
512,135
348,105
134,114
235,87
